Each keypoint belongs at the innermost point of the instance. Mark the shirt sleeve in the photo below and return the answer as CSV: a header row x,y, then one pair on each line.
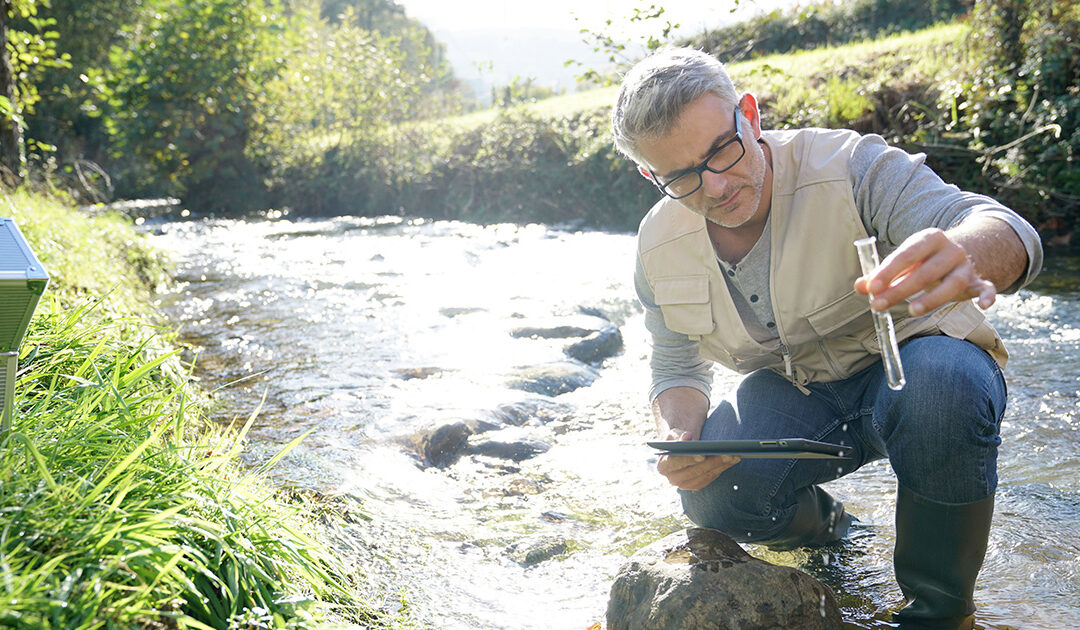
x,y
897,195
676,360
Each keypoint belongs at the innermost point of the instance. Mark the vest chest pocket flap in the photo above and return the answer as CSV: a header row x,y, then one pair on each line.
x,y
833,318
684,301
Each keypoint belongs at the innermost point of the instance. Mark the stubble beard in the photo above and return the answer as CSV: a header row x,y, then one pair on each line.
x,y
750,188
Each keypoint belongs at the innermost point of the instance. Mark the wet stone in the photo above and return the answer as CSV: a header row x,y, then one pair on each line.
x,y
701,578
518,487
443,445
598,346
417,372
533,551
516,450
454,311
565,328
552,379
551,516
532,411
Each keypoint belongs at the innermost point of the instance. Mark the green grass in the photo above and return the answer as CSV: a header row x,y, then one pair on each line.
x,y
788,80
119,507
835,85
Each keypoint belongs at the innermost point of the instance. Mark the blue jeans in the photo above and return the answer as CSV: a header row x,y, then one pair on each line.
x,y
940,433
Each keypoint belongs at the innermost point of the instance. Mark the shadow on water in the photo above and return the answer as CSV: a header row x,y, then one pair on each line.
x,y
389,335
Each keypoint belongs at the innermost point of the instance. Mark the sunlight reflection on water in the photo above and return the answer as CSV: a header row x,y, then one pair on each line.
x,y
371,330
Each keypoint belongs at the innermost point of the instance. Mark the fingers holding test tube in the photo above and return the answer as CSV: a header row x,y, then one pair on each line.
x,y
928,262
883,323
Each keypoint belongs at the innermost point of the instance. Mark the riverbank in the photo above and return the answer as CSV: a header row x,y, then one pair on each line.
x,y
552,161
121,505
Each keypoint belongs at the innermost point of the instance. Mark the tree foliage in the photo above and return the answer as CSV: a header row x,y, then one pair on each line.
x,y
339,85
208,99
185,89
619,51
29,50
68,117
1023,105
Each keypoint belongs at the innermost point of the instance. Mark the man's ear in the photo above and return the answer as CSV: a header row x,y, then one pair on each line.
x,y
749,106
646,174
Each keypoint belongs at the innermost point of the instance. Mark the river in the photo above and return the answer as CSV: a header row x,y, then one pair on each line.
x,y
371,332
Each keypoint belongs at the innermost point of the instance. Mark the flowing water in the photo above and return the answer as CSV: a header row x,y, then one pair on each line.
x,y
369,332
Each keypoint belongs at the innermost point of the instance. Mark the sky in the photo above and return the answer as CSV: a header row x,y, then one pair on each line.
x,y
493,41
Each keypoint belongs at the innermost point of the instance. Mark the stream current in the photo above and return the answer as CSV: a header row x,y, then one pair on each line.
x,y
370,332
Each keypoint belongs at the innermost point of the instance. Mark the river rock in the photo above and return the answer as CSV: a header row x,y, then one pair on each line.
x,y
513,446
409,374
598,346
443,445
552,379
701,578
532,551
532,411
454,311
564,328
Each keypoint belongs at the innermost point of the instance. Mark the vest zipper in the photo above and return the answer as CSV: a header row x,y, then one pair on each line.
x,y
790,370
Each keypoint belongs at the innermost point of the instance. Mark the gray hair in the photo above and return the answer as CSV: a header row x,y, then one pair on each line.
x,y
657,89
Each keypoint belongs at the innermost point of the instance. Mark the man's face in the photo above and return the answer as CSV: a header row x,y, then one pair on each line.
x,y
731,198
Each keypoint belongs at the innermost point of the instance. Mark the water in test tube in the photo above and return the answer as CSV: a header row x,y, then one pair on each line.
x,y
886,334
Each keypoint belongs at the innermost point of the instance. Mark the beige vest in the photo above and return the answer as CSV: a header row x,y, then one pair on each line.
x,y
825,328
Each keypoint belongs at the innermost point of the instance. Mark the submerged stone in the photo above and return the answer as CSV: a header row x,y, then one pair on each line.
x,y
701,578
532,551
513,451
552,379
532,411
514,448
564,328
444,445
417,372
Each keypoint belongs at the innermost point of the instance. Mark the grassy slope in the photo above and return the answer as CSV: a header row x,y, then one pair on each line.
x,y
513,164
790,81
117,507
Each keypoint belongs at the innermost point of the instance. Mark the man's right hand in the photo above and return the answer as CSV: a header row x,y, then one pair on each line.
x,y
692,472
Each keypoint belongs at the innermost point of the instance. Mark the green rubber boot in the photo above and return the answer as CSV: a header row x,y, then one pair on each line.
x,y
939,551
819,519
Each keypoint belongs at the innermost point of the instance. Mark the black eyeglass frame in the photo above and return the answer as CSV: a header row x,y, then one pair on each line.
x,y
704,166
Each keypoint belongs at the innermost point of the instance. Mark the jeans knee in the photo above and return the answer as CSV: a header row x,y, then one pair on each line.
x,y
953,387
941,430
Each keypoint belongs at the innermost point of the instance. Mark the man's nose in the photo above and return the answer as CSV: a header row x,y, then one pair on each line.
x,y
713,183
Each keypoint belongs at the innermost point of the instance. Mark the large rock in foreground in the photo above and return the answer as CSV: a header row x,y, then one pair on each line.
x,y
701,578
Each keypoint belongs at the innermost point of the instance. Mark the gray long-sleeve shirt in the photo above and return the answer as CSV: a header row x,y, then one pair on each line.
x,y
896,195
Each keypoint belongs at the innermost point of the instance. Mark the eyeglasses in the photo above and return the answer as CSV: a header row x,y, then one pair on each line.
x,y
722,158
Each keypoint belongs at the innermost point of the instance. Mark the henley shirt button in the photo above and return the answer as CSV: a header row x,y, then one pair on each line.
x,y
731,272
771,324
753,298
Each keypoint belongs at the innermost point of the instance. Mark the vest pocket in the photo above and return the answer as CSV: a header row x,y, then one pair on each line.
x,y
684,302
838,313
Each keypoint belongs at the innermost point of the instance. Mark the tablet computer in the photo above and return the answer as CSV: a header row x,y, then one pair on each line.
x,y
788,448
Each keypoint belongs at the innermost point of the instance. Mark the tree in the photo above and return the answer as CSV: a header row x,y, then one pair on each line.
x,y
184,96
1024,109
621,53
69,115
12,155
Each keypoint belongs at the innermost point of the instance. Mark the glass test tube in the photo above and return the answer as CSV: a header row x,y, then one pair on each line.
x,y
883,324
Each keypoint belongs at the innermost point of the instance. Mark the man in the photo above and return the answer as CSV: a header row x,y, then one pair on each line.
x,y
748,260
